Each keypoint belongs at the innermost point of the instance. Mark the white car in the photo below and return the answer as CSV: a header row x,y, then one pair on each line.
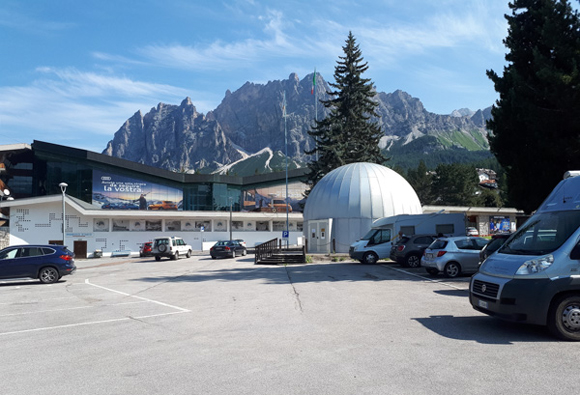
x,y
170,247
472,231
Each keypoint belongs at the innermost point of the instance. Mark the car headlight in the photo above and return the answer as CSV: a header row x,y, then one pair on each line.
x,y
536,265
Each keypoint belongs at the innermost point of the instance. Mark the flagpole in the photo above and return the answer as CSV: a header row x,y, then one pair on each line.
x,y
315,106
286,154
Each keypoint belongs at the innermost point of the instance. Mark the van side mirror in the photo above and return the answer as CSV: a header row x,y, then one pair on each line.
x,y
575,253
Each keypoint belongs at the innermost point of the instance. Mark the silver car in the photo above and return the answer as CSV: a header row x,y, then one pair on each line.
x,y
453,255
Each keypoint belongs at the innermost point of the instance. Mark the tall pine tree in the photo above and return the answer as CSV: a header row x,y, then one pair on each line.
x,y
347,134
535,126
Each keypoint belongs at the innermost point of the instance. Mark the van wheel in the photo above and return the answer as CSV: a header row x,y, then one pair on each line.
x,y
370,258
452,270
564,318
413,260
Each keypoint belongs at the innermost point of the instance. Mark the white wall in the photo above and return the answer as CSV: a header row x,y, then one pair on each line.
x,y
39,223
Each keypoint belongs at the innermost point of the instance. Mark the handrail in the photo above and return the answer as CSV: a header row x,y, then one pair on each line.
x,y
265,250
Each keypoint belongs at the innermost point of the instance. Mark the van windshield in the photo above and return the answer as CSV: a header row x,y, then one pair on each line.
x,y
543,233
378,236
368,236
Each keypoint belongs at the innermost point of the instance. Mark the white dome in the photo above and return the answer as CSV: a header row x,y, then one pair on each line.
x,y
361,190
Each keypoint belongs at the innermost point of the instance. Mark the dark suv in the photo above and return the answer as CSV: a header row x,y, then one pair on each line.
x,y
496,241
408,251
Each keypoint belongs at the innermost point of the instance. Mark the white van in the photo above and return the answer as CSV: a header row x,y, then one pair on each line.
x,y
535,276
376,244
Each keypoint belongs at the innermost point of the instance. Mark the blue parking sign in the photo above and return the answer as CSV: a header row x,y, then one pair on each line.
x,y
284,234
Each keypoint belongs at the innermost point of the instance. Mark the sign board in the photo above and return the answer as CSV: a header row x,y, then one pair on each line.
x,y
284,234
202,228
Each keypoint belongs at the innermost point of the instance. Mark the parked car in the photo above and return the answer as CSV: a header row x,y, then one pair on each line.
x,y
163,205
409,250
242,242
453,255
227,249
493,245
471,231
48,263
146,249
170,247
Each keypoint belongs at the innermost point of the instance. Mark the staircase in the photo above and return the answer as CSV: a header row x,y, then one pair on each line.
x,y
271,253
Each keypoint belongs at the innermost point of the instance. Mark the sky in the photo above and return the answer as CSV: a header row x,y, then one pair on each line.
x,y
72,72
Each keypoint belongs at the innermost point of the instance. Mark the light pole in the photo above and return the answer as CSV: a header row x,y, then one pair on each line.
x,y
231,202
63,186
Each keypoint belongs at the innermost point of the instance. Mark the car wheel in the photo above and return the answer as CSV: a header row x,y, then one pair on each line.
x,y
452,269
175,256
432,272
48,275
188,255
413,260
564,318
244,252
233,253
370,258
162,248
157,258
213,257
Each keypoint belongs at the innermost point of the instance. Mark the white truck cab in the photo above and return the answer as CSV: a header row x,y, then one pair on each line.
x,y
376,244
535,276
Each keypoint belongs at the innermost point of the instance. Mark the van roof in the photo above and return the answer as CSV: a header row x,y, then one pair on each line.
x,y
565,196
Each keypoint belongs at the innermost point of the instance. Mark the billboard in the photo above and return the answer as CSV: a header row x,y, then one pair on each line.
x,y
114,192
499,224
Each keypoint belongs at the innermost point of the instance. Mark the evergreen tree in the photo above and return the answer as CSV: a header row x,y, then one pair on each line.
x,y
347,134
421,181
455,185
536,121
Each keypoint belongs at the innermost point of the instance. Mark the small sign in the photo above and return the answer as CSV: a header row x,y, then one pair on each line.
x,y
202,228
284,234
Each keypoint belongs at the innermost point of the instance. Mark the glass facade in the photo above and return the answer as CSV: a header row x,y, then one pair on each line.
x,y
84,173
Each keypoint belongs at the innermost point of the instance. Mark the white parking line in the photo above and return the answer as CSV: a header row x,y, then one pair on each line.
x,y
426,278
87,323
180,310
138,297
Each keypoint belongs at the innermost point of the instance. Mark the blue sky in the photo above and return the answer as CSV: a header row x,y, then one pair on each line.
x,y
72,72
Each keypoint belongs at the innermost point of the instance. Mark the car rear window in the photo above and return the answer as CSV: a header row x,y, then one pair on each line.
x,y
438,244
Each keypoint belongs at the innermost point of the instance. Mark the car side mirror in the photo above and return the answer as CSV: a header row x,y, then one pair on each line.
x,y
575,253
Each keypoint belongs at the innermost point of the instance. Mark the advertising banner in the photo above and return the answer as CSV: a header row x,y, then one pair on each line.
x,y
114,192
499,224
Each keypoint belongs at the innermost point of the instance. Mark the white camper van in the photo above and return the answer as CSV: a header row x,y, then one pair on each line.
x,y
535,276
376,244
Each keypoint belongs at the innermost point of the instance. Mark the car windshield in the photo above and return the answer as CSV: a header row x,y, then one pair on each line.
x,y
543,233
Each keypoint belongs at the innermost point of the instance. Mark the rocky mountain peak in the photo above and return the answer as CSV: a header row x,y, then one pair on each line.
x,y
249,120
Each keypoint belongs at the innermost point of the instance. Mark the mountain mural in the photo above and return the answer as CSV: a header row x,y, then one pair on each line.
x,y
247,133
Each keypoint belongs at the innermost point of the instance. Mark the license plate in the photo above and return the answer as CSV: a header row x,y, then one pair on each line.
x,y
429,256
482,304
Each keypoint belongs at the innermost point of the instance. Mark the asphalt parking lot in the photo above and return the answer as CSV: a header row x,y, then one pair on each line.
x,y
203,326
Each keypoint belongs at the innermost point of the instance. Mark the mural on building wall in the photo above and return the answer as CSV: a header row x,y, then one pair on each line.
x,y
114,192
499,224
273,198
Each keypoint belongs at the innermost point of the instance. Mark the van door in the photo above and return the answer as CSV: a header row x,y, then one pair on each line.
x,y
381,243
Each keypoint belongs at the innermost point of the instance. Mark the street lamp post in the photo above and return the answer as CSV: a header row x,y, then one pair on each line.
x,y
63,186
231,202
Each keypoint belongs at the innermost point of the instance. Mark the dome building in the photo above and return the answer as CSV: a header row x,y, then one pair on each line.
x,y
342,206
